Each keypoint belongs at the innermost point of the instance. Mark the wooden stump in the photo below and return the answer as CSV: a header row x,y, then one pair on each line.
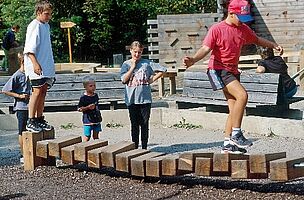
x,y
284,169
57,144
138,164
123,160
186,160
81,149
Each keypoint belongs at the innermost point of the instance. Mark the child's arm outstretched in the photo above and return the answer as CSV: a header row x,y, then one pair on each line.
x,y
200,54
16,95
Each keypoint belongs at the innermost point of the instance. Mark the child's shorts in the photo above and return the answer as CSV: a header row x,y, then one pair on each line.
x,y
37,83
220,78
22,116
87,129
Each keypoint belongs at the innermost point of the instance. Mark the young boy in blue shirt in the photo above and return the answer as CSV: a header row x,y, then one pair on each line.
x,y
18,86
88,105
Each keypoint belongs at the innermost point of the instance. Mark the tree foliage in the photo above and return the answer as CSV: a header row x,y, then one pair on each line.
x,y
103,27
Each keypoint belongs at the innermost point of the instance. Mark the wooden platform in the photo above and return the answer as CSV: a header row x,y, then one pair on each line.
x,y
42,148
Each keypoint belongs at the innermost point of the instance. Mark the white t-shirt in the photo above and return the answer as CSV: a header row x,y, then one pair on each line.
x,y
38,42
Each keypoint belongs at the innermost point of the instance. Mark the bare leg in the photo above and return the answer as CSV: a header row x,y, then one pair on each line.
x,y
95,135
85,138
33,103
231,102
41,100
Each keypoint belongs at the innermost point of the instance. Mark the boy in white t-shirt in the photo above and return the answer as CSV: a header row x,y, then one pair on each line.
x,y
39,65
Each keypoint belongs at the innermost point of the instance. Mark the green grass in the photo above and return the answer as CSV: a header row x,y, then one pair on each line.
x,y
185,125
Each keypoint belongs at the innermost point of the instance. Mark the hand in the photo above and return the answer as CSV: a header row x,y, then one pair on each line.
x,y
188,61
37,69
279,49
133,63
24,96
91,106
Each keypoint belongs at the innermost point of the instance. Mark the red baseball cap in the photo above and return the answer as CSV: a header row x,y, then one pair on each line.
x,y
242,9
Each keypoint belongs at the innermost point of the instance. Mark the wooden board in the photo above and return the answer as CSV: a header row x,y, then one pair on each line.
x,y
284,170
259,163
123,160
58,143
67,155
109,152
81,149
222,162
138,164
186,161
170,165
94,157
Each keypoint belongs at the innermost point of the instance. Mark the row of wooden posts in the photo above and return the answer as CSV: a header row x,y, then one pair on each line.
x,y
43,149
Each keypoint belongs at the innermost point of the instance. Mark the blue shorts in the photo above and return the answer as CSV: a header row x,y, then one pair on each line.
x,y
87,129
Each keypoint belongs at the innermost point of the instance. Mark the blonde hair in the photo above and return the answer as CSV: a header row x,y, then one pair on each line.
x,y
42,6
86,80
136,44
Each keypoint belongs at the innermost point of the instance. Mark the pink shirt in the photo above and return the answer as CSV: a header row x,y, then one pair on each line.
x,y
226,42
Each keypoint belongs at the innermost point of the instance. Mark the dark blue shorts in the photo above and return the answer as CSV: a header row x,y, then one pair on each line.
x,y
37,83
22,117
220,78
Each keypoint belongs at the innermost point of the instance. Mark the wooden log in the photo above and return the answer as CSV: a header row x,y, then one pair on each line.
x,y
170,165
123,160
222,162
109,152
94,157
284,169
203,166
67,155
259,163
57,144
186,161
81,149
48,134
154,166
31,161
138,164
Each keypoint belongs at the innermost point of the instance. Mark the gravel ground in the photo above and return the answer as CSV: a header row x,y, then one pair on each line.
x,y
80,182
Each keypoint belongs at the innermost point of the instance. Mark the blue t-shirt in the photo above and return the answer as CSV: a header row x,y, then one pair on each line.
x,y
19,84
138,89
90,117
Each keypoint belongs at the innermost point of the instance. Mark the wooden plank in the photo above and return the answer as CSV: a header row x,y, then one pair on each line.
x,y
94,157
186,161
259,163
109,152
123,160
81,149
222,162
284,170
58,143
67,155
203,166
138,164
31,161
170,165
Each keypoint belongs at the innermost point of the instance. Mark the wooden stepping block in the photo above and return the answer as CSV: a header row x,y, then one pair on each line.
x,y
170,165
284,169
67,155
109,152
222,162
81,149
138,164
31,161
240,170
49,134
94,157
57,144
204,166
259,163
42,148
123,160
154,166
186,160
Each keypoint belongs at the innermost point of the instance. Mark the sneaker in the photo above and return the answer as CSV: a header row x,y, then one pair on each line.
x,y
33,126
43,124
240,141
233,149
22,161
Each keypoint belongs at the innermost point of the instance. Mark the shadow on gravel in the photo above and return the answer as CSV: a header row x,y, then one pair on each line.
x,y
12,196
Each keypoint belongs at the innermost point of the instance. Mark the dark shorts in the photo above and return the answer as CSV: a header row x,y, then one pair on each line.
x,y
37,83
22,117
220,78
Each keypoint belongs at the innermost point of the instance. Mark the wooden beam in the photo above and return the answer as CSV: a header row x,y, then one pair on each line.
x,y
186,161
154,166
203,166
94,157
284,169
67,155
222,162
58,143
138,164
170,165
109,152
81,149
259,163
42,148
123,160
31,161
239,169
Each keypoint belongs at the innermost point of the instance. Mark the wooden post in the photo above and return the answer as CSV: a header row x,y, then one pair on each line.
x,y
301,67
154,166
68,25
123,160
170,165
138,164
67,155
94,157
203,166
161,86
31,161
222,162
239,169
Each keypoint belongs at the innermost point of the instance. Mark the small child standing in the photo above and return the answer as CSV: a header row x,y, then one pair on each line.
x,y
39,65
18,87
88,105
